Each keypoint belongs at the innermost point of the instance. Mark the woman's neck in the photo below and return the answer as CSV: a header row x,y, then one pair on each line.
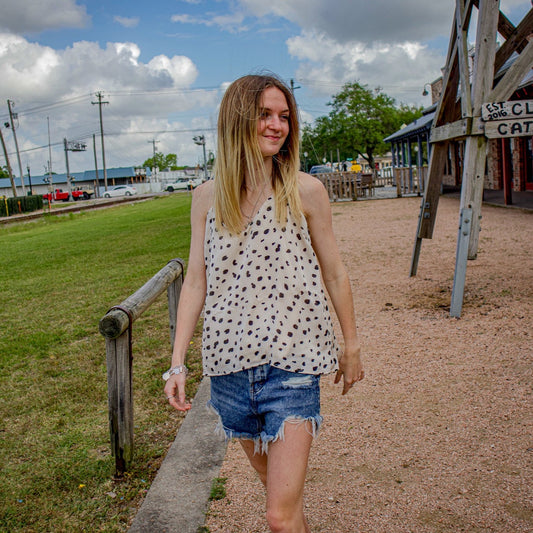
x,y
262,176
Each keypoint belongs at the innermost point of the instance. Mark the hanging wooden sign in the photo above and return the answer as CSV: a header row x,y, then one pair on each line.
x,y
509,128
507,110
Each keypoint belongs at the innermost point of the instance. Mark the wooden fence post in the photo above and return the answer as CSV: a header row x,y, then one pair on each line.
x,y
116,326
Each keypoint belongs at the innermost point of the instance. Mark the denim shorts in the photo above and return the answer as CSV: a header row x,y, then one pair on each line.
x,y
254,404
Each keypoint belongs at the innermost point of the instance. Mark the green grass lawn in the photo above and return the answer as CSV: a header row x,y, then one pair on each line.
x,y
59,276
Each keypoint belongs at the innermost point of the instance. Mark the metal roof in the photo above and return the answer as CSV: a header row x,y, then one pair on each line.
x,y
420,125
87,175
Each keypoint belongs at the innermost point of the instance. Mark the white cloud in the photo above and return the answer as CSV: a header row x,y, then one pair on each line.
x,y
127,22
154,95
362,20
33,16
231,22
326,63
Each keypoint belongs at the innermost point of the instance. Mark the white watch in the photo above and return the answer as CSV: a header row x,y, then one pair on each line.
x,y
180,369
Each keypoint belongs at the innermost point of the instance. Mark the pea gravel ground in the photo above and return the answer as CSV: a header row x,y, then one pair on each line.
x,y
438,437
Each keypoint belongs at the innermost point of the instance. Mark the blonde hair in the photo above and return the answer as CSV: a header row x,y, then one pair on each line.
x,y
238,152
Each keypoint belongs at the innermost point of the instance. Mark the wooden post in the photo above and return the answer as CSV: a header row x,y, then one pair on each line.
x,y
116,326
476,147
460,262
430,202
507,171
120,399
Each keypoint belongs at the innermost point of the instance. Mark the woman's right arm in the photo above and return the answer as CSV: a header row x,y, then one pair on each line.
x,y
192,296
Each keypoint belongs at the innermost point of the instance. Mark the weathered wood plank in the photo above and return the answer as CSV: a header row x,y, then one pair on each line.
x,y
512,78
454,130
462,22
120,399
507,110
116,321
515,42
509,128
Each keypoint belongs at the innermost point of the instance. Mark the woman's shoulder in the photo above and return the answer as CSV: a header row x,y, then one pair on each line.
x,y
203,197
312,192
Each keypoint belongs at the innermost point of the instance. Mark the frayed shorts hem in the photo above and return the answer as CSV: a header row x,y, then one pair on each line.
x,y
262,441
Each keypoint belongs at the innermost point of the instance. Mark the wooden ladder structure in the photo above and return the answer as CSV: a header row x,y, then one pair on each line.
x,y
459,116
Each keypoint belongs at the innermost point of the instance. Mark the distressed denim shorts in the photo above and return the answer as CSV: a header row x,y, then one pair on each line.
x,y
254,404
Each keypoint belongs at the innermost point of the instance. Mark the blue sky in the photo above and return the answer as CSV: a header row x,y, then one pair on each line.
x,y
163,65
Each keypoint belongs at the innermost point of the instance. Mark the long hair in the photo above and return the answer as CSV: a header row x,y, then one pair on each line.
x,y
238,152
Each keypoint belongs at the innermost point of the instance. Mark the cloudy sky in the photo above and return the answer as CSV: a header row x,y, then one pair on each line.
x,y
162,65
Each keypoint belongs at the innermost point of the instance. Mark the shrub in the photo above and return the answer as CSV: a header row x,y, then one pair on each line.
x,y
20,204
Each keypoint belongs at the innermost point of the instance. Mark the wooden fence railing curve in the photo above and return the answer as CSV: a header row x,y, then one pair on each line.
x,y
116,327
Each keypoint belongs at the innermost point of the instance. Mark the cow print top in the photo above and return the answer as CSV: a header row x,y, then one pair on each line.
x,y
265,302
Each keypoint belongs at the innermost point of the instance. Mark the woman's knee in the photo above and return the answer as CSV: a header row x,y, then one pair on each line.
x,y
285,520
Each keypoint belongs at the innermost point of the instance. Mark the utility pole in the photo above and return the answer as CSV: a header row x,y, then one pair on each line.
x,y
29,178
69,184
9,171
50,179
97,185
294,86
153,143
99,95
11,117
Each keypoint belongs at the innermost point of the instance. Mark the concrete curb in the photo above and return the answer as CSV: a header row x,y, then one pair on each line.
x,y
177,500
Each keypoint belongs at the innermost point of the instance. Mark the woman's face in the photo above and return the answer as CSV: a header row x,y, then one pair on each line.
x,y
273,124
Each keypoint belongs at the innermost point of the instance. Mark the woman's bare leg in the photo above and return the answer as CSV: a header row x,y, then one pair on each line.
x,y
283,472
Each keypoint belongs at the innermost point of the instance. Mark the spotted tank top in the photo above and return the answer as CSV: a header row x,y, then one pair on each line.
x,y
265,302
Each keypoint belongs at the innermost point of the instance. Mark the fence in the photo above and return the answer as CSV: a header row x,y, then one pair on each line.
x,y
410,180
116,327
347,185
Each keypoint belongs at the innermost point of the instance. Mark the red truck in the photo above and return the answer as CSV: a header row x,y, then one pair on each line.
x,y
59,194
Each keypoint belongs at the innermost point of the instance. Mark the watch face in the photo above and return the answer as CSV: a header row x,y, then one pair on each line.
x,y
166,375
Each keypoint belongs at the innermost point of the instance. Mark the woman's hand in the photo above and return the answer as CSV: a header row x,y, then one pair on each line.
x,y
350,368
175,392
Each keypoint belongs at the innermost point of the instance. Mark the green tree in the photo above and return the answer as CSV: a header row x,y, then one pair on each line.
x,y
162,161
359,121
3,172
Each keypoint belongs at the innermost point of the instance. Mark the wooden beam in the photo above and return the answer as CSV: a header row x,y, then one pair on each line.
x,y
462,22
454,130
430,202
505,26
512,78
515,42
449,77
476,147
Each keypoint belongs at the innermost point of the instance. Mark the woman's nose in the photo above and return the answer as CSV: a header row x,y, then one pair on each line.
x,y
274,122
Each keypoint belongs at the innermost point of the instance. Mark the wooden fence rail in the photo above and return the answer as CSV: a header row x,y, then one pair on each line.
x,y
116,327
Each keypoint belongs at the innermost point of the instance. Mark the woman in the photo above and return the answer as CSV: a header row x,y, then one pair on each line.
x,y
261,241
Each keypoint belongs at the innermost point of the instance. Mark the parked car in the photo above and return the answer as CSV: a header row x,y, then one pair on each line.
x,y
84,193
120,190
183,184
320,169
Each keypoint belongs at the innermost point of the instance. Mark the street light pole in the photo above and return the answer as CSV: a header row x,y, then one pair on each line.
x,y
200,140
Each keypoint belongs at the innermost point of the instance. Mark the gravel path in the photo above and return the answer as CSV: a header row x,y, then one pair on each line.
x,y
438,437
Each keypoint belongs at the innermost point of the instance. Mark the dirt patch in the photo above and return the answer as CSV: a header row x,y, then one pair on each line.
x,y
438,437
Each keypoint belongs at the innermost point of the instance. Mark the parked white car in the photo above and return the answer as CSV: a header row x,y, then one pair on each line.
x,y
120,190
183,184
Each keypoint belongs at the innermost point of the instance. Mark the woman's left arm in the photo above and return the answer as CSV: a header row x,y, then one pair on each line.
x,y
317,211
